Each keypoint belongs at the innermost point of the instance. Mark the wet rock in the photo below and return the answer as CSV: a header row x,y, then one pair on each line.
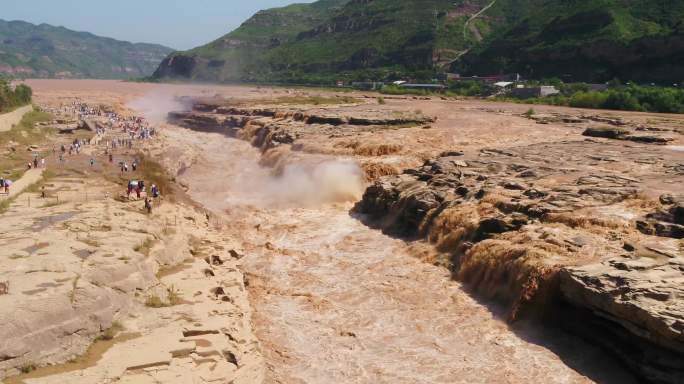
x,y
669,199
451,154
606,120
400,205
528,174
606,132
535,194
649,139
462,191
678,214
491,226
513,185
664,223
332,120
619,133
665,229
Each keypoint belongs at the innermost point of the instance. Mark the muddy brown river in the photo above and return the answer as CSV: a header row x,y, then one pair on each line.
x,y
338,302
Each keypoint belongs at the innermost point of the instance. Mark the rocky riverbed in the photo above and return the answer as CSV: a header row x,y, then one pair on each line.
x,y
414,239
587,227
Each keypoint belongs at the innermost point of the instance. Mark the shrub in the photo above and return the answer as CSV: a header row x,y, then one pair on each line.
x,y
27,368
622,100
111,332
10,99
155,301
145,247
588,100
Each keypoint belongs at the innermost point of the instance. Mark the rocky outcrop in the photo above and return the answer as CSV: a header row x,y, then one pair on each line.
x,y
638,304
666,222
176,66
270,127
619,133
308,116
77,269
524,226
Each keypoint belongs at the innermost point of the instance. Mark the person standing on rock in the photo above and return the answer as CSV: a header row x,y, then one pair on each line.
x,y
35,162
148,205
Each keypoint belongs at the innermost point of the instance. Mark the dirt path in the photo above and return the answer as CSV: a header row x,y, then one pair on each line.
x,y
8,120
31,176
474,30
336,301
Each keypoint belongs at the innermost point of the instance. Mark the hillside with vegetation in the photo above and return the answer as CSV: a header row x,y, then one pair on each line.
x,y
594,41
44,51
239,55
578,40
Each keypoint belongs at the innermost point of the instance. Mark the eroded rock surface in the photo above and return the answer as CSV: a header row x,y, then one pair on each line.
x,y
643,295
531,224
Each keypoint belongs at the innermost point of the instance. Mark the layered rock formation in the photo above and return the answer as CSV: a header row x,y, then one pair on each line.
x,y
314,130
634,309
537,225
78,275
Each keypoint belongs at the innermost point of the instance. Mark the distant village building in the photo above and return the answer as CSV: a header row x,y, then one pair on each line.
x,y
368,85
598,87
504,84
490,78
427,87
532,92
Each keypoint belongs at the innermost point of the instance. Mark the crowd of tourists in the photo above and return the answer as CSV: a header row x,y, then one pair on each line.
x,y
113,132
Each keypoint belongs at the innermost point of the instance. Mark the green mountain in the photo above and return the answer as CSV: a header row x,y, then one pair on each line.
x,y
589,40
28,50
580,40
240,54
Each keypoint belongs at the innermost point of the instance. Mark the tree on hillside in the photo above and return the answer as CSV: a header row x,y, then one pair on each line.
x,y
12,98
